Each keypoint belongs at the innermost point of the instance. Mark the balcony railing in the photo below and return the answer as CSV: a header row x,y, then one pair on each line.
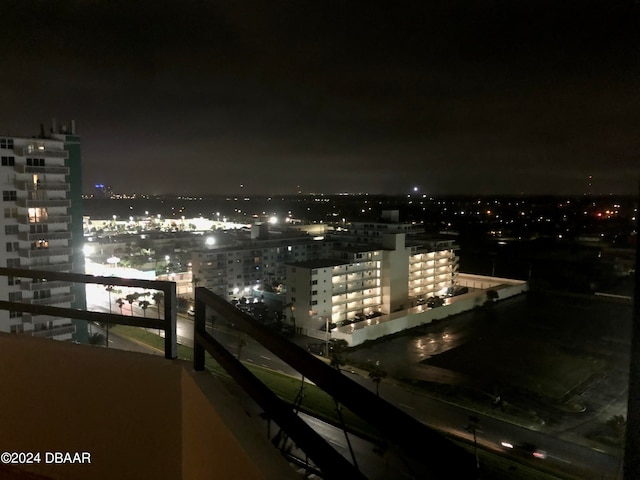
x,y
44,236
26,220
397,427
43,202
34,151
42,186
52,300
54,331
25,285
53,267
45,252
55,170
168,324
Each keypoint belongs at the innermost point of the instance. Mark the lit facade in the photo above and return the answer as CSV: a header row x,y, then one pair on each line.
x,y
233,271
39,224
362,281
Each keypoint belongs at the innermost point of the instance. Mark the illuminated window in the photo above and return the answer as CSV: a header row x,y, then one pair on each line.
x,y
37,215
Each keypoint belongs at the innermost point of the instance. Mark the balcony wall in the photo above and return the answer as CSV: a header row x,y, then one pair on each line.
x,y
139,416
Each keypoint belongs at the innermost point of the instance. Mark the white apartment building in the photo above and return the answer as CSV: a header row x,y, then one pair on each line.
x,y
36,231
335,290
232,271
367,281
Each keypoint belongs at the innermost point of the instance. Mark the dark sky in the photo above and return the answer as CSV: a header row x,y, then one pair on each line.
x,y
200,97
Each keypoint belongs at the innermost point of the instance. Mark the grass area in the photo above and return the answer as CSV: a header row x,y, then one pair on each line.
x,y
315,401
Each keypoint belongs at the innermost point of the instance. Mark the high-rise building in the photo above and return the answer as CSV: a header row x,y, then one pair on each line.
x,y
41,228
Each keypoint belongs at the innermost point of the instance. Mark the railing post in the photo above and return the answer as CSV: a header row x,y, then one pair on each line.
x,y
198,328
170,317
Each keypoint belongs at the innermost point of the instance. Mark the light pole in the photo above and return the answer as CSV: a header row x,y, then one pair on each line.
x,y
327,337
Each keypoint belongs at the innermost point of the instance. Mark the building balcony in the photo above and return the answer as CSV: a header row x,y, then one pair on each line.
x,y
45,252
54,331
30,286
40,152
38,319
54,170
49,219
29,186
52,300
53,267
42,203
62,235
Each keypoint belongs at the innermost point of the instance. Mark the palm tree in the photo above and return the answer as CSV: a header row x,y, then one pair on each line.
x,y
132,297
96,339
377,374
144,304
158,298
120,303
337,354
109,289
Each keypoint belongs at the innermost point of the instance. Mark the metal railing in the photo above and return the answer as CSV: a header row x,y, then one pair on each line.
x,y
445,459
168,324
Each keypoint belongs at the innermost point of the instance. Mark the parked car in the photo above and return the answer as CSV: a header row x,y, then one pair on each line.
x,y
373,314
359,317
435,301
456,290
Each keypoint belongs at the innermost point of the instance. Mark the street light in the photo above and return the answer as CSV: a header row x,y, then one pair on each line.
x,y
326,341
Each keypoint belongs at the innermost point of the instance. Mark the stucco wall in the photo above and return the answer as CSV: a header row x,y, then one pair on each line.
x,y
138,416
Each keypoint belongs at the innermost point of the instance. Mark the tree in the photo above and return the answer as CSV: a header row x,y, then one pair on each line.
x,y
377,374
144,304
158,298
338,353
120,303
109,289
96,339
132,297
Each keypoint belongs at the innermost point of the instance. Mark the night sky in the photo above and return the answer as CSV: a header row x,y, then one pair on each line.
x,y
201,97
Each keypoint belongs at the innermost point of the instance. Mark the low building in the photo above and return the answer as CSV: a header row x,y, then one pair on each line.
x,y
360,283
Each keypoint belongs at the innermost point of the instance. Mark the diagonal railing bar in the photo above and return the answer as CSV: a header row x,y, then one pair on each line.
x,y
308,440
396,426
